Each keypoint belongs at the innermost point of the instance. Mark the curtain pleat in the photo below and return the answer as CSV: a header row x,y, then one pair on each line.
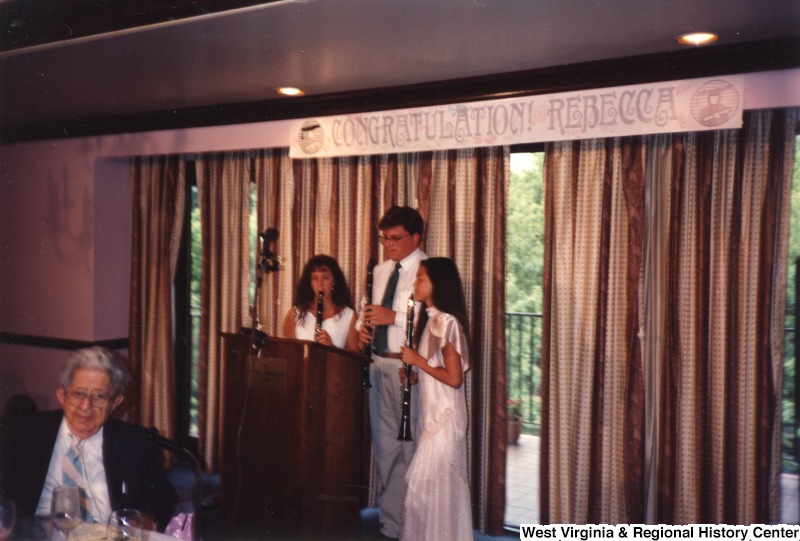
x,y
667,449
223,187
158,195
653,308
630,379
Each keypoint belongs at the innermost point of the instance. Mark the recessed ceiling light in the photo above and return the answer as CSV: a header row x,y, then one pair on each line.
x,y
290,91
697,38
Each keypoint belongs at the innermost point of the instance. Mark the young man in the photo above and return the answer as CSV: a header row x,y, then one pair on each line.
x,y
383,324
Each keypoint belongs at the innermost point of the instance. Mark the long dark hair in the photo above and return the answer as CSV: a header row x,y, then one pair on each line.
x,y
447,294
304,294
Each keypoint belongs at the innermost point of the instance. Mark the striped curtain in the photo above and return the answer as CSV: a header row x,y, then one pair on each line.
x,y
665,266
333,205
725,291
158,188
223,188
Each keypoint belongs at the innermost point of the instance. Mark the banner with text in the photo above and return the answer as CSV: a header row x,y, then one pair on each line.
x,y
666,107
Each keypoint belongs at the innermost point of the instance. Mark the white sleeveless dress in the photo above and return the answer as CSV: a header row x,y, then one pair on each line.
x,y
437,504
336,326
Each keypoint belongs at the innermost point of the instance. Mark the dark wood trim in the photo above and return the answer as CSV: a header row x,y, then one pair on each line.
x,y
685,64
60,343
527,147
25,23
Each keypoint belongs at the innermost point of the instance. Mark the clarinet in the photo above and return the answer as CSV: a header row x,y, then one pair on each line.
x,y
367,347
405,416
318,326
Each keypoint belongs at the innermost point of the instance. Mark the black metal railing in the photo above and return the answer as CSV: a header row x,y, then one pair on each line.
x,y
523,379
523,368
790,409
790,443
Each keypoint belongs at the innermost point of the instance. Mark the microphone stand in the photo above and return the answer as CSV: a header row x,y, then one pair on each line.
x,y
267,262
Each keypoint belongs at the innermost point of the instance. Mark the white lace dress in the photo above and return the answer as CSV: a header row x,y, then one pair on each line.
x,y
437,505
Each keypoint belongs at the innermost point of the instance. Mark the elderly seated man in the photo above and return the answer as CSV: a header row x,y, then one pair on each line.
x,y
115,464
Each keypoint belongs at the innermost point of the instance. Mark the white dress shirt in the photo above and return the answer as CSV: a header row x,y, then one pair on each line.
x,y
405,288
94,474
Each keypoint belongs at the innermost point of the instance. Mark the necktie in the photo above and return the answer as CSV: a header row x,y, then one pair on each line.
x,y
73,474
381,339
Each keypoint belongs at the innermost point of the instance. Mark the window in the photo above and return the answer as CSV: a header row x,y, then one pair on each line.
x,y
187,317
188,308
524,268
790,414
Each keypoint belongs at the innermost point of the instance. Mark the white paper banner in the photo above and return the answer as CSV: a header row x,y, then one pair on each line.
x,y
674,106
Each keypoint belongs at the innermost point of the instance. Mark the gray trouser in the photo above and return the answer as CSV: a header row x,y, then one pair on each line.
x,y
392,457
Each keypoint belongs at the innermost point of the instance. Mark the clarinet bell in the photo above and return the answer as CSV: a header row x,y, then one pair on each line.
x,y
405,429
405,415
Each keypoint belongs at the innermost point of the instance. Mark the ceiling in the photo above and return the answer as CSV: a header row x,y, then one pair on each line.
x,y
68,61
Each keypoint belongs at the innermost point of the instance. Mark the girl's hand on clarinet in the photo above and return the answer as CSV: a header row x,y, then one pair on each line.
x,y
410,356
324,338
402,373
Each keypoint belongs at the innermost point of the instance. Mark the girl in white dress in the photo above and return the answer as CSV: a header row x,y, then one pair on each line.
x,y
322,274
437,504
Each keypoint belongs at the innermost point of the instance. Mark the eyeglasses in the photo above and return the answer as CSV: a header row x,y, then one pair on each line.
x,y
97,400
392,240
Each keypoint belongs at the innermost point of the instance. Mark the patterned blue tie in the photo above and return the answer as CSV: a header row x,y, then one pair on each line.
x,y
73,474
380,342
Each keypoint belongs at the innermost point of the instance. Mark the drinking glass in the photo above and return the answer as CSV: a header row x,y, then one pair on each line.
x,y
125,524
8,514
66,509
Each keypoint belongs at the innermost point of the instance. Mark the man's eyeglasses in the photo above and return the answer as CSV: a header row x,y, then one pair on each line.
x,y
97,400
392,240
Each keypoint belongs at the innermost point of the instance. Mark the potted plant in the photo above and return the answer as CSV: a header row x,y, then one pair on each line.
x,y
514,421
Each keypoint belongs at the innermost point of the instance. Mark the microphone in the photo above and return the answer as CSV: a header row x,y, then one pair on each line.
x,y
268,262
269,234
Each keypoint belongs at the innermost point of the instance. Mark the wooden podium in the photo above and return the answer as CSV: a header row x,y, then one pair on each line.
x,y
293,460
